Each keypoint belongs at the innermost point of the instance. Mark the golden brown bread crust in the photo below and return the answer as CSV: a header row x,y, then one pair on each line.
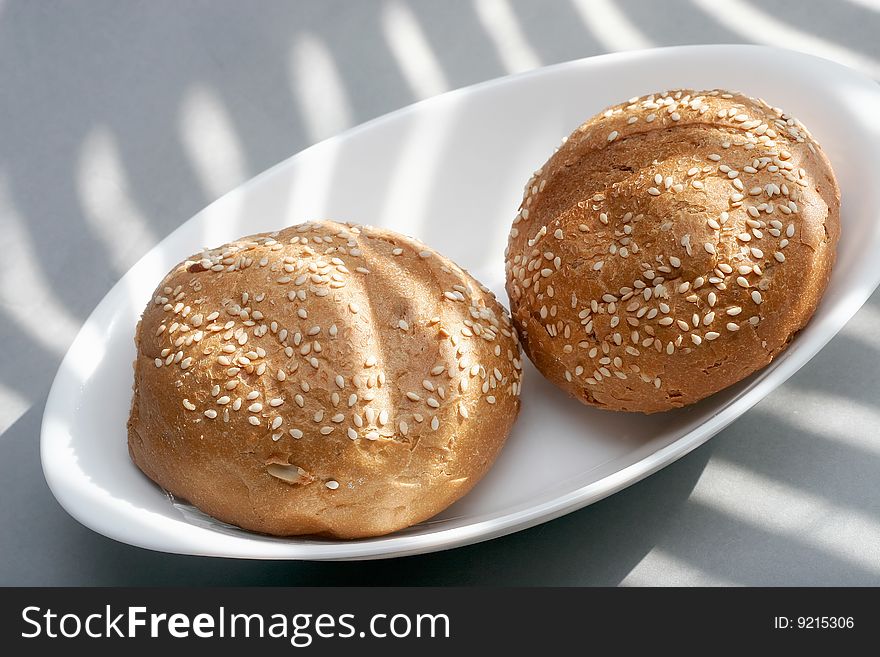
x,y
325,379
673,245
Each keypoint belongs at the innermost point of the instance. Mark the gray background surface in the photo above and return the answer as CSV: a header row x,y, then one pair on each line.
x,y
120,120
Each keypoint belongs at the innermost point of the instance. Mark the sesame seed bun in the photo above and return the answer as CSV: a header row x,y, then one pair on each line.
x,y
672,245
325,379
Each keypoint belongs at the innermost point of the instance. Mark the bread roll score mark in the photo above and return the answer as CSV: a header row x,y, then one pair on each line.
x,y
665,308
268,365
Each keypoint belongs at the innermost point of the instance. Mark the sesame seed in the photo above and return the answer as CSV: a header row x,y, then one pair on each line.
x,y
756,296
742,282
326,431
188,405
686,243
277,422
653,191
413,396
780,257
712,335
295,433
435,423
255,408
612,135
710,248
276,402
332,485
254,420
732,326
210,414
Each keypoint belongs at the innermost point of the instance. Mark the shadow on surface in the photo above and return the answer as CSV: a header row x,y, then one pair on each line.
x,y
103,69
598,545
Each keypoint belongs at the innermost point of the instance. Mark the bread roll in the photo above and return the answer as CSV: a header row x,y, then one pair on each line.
x,y
324,379
672,245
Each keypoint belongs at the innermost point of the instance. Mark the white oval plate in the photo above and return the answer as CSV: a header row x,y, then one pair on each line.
x,y
449,171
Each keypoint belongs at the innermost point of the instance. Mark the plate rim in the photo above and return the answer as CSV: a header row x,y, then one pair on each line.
x,y
483,530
